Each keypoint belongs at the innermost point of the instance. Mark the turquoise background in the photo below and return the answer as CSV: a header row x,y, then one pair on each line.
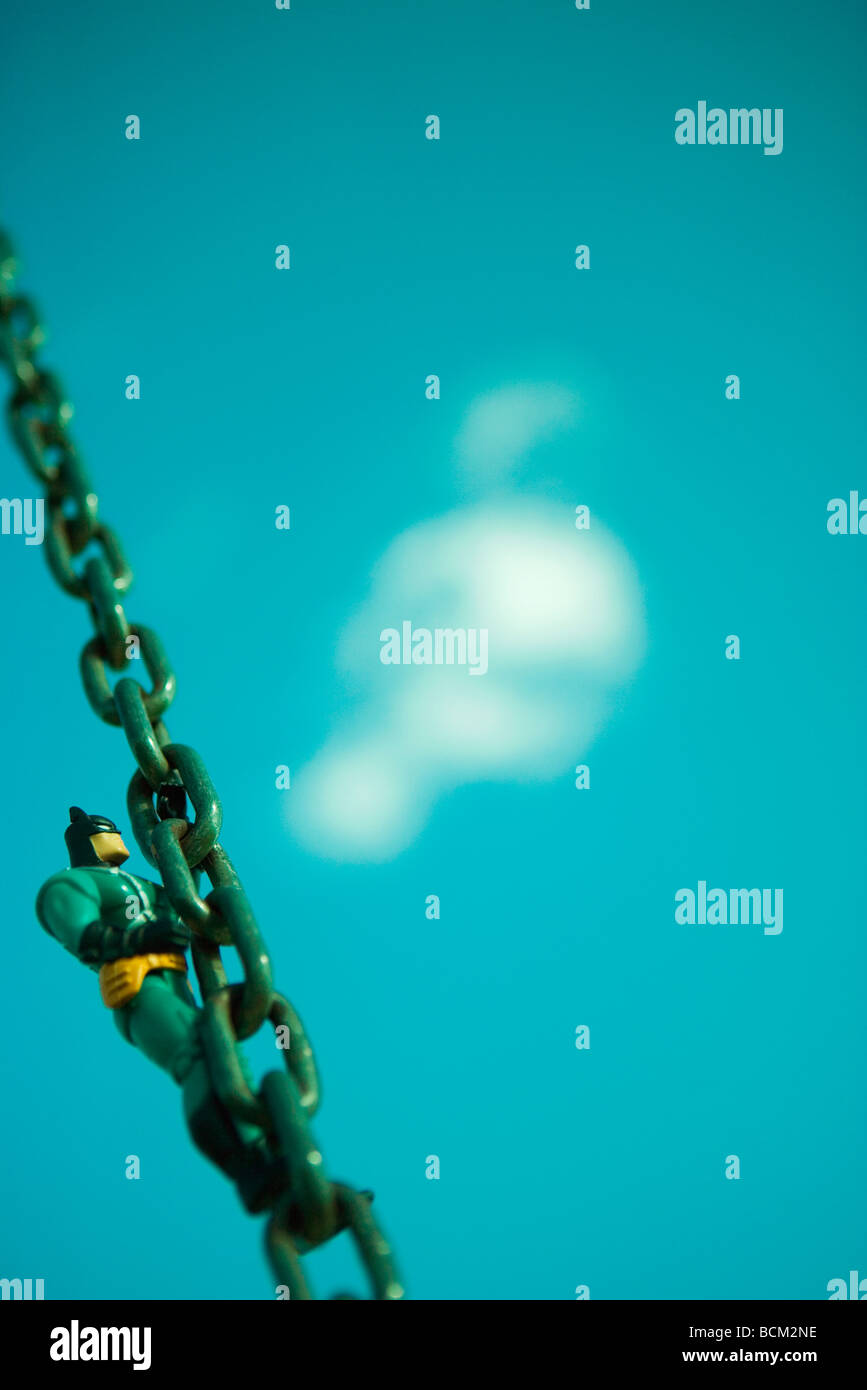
x,y
559,1167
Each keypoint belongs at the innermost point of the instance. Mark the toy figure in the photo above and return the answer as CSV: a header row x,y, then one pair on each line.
x,y
124,927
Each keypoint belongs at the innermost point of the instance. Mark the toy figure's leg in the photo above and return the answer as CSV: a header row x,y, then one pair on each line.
x,y
237,1148
162,1021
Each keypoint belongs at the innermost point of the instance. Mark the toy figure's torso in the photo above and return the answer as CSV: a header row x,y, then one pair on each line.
x,y
73,898
158,1013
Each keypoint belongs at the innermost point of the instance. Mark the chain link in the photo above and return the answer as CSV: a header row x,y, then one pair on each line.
x,y
307,1208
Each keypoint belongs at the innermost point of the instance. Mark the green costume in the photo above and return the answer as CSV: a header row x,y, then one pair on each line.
x,y
125,928
160,1019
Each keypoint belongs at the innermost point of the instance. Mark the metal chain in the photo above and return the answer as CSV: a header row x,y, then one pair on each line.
x,y
307,1208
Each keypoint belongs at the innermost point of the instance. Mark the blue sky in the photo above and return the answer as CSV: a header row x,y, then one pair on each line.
x,y
559,387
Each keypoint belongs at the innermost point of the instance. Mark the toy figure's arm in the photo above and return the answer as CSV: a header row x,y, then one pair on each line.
x,y
66,907
99,943
70,909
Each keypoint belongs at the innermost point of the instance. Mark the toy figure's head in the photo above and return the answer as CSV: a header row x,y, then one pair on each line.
x,y
93,840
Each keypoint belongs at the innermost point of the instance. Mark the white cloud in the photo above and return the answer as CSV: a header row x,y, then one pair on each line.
x,y
564,617
503,425
356,800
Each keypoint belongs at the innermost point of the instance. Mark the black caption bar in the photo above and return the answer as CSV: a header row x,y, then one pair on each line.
x,y
65,1338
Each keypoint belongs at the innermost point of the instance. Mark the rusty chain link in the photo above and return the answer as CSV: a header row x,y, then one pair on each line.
x,y
309,1208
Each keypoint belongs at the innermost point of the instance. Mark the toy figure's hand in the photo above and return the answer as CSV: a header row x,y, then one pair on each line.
x,y
100,945
167,935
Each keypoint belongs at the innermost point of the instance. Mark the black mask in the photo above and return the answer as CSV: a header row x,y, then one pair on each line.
x,y
77,836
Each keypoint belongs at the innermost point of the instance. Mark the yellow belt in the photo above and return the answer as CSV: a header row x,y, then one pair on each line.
x,y
121,980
